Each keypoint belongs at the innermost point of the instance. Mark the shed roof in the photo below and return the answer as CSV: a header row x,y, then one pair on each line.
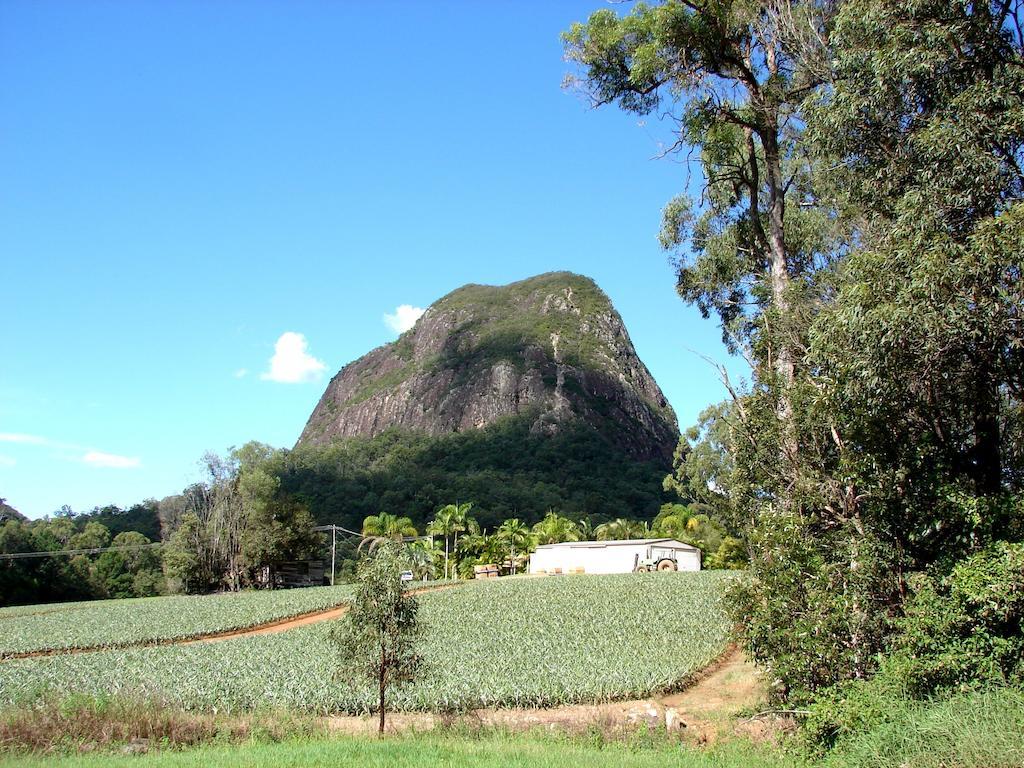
x,y
673,543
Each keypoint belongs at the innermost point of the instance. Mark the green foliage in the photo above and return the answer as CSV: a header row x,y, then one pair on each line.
x,y
237,524
449,521
554,529
135,573
130,573
692,525
494,642
961,632
806,614
141,518
423,556
877,303
388,526
966,629
732,80
730,555
186,570
619,529
504,468
377,638
926,109
704,466
516,540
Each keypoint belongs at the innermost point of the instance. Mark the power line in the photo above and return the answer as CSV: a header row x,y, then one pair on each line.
x,y
90,551
338,527
333,530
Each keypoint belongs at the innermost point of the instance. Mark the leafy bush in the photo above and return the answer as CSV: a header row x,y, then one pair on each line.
x,y
960,633
795,608
966,630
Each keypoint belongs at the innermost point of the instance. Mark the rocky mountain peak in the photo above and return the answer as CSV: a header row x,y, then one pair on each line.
x,y
551,348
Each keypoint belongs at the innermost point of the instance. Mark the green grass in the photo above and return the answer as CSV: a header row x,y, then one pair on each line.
x,y
975,730
492,751
507,642
119,623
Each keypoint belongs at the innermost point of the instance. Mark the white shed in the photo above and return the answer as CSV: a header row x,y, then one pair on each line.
x,y
611,556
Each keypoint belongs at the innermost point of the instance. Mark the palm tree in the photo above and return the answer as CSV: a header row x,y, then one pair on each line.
x,y
586,529
450,519
621,529
471,543
422,558
516,535
674,521
477,548
670,526
554,529
386,527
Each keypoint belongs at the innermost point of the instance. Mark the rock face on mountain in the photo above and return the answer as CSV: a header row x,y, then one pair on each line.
x,y
551,348
7,512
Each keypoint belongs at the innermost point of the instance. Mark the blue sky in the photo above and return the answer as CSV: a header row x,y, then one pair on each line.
x,y
183,183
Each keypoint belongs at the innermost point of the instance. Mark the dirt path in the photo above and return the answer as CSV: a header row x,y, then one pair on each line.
x,y
283,625
267,628
701,713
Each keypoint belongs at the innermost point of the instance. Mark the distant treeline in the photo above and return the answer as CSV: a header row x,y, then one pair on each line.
x,y
507,471
257,507
135,571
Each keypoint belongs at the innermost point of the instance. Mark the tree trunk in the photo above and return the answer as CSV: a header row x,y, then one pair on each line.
x,y
383,687
784,363
987,464
858,614
455,547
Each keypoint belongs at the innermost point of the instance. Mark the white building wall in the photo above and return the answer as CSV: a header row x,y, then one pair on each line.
x,y
688,561
616,558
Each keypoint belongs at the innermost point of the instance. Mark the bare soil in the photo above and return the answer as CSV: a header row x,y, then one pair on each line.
x,y
706,710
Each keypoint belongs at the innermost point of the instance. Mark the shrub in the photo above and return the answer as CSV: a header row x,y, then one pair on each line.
x,y
961,633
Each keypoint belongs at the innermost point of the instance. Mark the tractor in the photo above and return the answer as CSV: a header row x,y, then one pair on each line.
x,y
658,559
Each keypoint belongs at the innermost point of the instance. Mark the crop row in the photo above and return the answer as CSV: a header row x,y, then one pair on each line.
x,y
118,623
530,642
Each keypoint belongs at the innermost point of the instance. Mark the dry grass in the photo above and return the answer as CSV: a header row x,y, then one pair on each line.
x,y
83,724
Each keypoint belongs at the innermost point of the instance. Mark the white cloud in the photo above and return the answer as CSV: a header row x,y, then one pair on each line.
x,y
241,373
292,363
14,437
404,318
111,460
68,452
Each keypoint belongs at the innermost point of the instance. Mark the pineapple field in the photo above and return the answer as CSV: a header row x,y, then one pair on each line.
x,y
529,642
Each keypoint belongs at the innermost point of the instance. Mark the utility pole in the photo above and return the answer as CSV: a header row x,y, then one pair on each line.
x,y
334,542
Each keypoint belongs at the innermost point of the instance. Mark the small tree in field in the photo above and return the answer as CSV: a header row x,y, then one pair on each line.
x,y
378,639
